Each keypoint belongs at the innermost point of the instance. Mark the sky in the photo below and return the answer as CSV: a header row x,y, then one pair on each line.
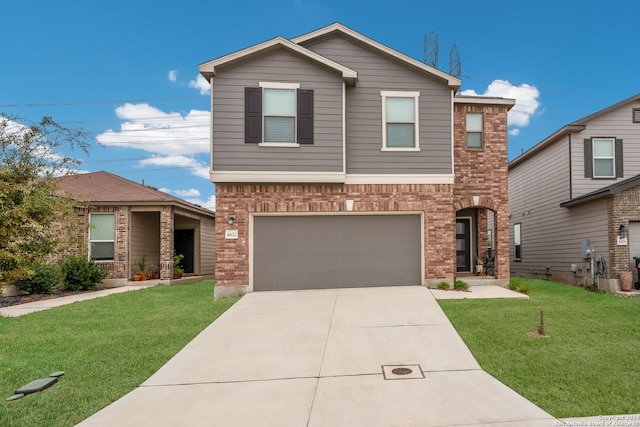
x,y
127,71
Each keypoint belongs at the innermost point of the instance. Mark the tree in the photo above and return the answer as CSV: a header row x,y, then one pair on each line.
x,y
31,210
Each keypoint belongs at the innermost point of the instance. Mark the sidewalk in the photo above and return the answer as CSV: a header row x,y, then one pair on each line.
x,y
32,307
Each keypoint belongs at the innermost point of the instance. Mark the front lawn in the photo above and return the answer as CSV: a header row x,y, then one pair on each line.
x,y
590,363
107,347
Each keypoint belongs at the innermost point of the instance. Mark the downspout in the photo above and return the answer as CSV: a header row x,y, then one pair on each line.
x,y
570,171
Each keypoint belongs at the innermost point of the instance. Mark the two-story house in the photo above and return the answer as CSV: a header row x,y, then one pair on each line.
x,y
340,162
575,200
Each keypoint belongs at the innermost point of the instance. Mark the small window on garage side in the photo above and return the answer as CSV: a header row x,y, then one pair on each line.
x,y
101,237
474,130
517,243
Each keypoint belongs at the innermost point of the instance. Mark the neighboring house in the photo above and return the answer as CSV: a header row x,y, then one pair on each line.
x,y
125,220
577,189
340,162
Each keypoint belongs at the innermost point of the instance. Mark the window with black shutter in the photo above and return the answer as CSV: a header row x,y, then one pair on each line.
x,y
279,114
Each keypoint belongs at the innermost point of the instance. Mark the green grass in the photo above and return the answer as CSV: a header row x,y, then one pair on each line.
x,y
590,363
107,347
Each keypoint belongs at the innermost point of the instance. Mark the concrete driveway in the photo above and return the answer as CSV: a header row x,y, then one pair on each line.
x,y
325,358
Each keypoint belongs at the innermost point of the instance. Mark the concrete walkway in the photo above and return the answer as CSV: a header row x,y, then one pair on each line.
x,y
32,307
326,358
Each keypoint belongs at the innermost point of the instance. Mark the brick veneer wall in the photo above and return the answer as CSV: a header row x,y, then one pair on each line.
x,y
622,208
239,200
480,173
484,173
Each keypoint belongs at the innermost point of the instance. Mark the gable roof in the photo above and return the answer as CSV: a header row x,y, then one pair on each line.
x,y
208,69
104,188
577,126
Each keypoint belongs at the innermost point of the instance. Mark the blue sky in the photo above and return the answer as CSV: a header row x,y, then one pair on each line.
x,y
126,71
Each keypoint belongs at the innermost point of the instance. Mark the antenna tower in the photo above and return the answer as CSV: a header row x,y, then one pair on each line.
x,y
455,68
431,49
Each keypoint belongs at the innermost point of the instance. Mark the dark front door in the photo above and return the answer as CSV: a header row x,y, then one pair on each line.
x,y
183,244
463,244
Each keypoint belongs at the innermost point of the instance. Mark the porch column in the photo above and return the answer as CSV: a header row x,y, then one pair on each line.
x,y
166,243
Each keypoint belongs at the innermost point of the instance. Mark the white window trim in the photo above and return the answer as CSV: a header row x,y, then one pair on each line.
x,y
400,94
103,241
481,131
279,85
612,158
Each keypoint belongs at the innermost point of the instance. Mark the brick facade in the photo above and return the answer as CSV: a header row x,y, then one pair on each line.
x,y
480,182
481,176
622,209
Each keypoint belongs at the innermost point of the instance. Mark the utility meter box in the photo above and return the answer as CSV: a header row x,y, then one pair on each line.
x,y
585,248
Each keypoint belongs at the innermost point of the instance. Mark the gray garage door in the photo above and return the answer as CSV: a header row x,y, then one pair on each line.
x,y
346,251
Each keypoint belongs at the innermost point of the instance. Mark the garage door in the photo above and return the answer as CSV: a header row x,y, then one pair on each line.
x,y
336,251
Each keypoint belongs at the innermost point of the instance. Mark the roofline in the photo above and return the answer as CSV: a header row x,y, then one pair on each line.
x,y
546,142
208,69
453,82
484,100
576,126
612,189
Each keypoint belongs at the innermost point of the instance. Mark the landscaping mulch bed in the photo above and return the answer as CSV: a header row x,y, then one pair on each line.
x,y
23,299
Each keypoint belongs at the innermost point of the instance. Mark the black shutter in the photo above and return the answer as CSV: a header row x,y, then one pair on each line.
x,y
252,114
619,162
305,116
588,158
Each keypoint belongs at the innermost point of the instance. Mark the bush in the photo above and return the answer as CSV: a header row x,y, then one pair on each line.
x,y
460,285
80,274
39,279
443,285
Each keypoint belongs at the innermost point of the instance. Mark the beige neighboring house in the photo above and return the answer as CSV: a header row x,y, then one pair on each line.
x,y
574,198
125,220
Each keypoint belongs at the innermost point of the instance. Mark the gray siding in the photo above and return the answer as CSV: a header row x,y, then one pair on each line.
x,y
618,124
364,112
231,153
551,235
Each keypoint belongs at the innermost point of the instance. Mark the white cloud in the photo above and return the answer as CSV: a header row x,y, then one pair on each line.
x,y
196,167
151,129
173,76
192,192
201,84
210,203
526,97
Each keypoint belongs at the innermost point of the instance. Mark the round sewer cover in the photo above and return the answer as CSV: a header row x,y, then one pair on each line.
x,y
401,371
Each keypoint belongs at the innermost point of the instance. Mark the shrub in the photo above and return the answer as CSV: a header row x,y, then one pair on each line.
x,y
460,285
443,285
80,274
39,279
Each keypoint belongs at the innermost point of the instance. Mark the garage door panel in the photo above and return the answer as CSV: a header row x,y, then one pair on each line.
x,y
315,252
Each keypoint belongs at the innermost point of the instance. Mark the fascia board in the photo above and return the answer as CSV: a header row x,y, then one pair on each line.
x,y
208,69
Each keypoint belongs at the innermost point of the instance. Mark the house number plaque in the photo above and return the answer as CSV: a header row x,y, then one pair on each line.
x,y
230,234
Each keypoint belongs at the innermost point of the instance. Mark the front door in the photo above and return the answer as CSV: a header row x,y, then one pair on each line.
x,y
184,244
463,245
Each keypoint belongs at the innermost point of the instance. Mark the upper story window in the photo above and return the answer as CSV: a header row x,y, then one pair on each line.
x,y
278,114
603,158
474,130
400,128
101,237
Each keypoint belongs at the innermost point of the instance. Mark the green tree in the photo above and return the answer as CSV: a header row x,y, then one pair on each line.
x,y
31,210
